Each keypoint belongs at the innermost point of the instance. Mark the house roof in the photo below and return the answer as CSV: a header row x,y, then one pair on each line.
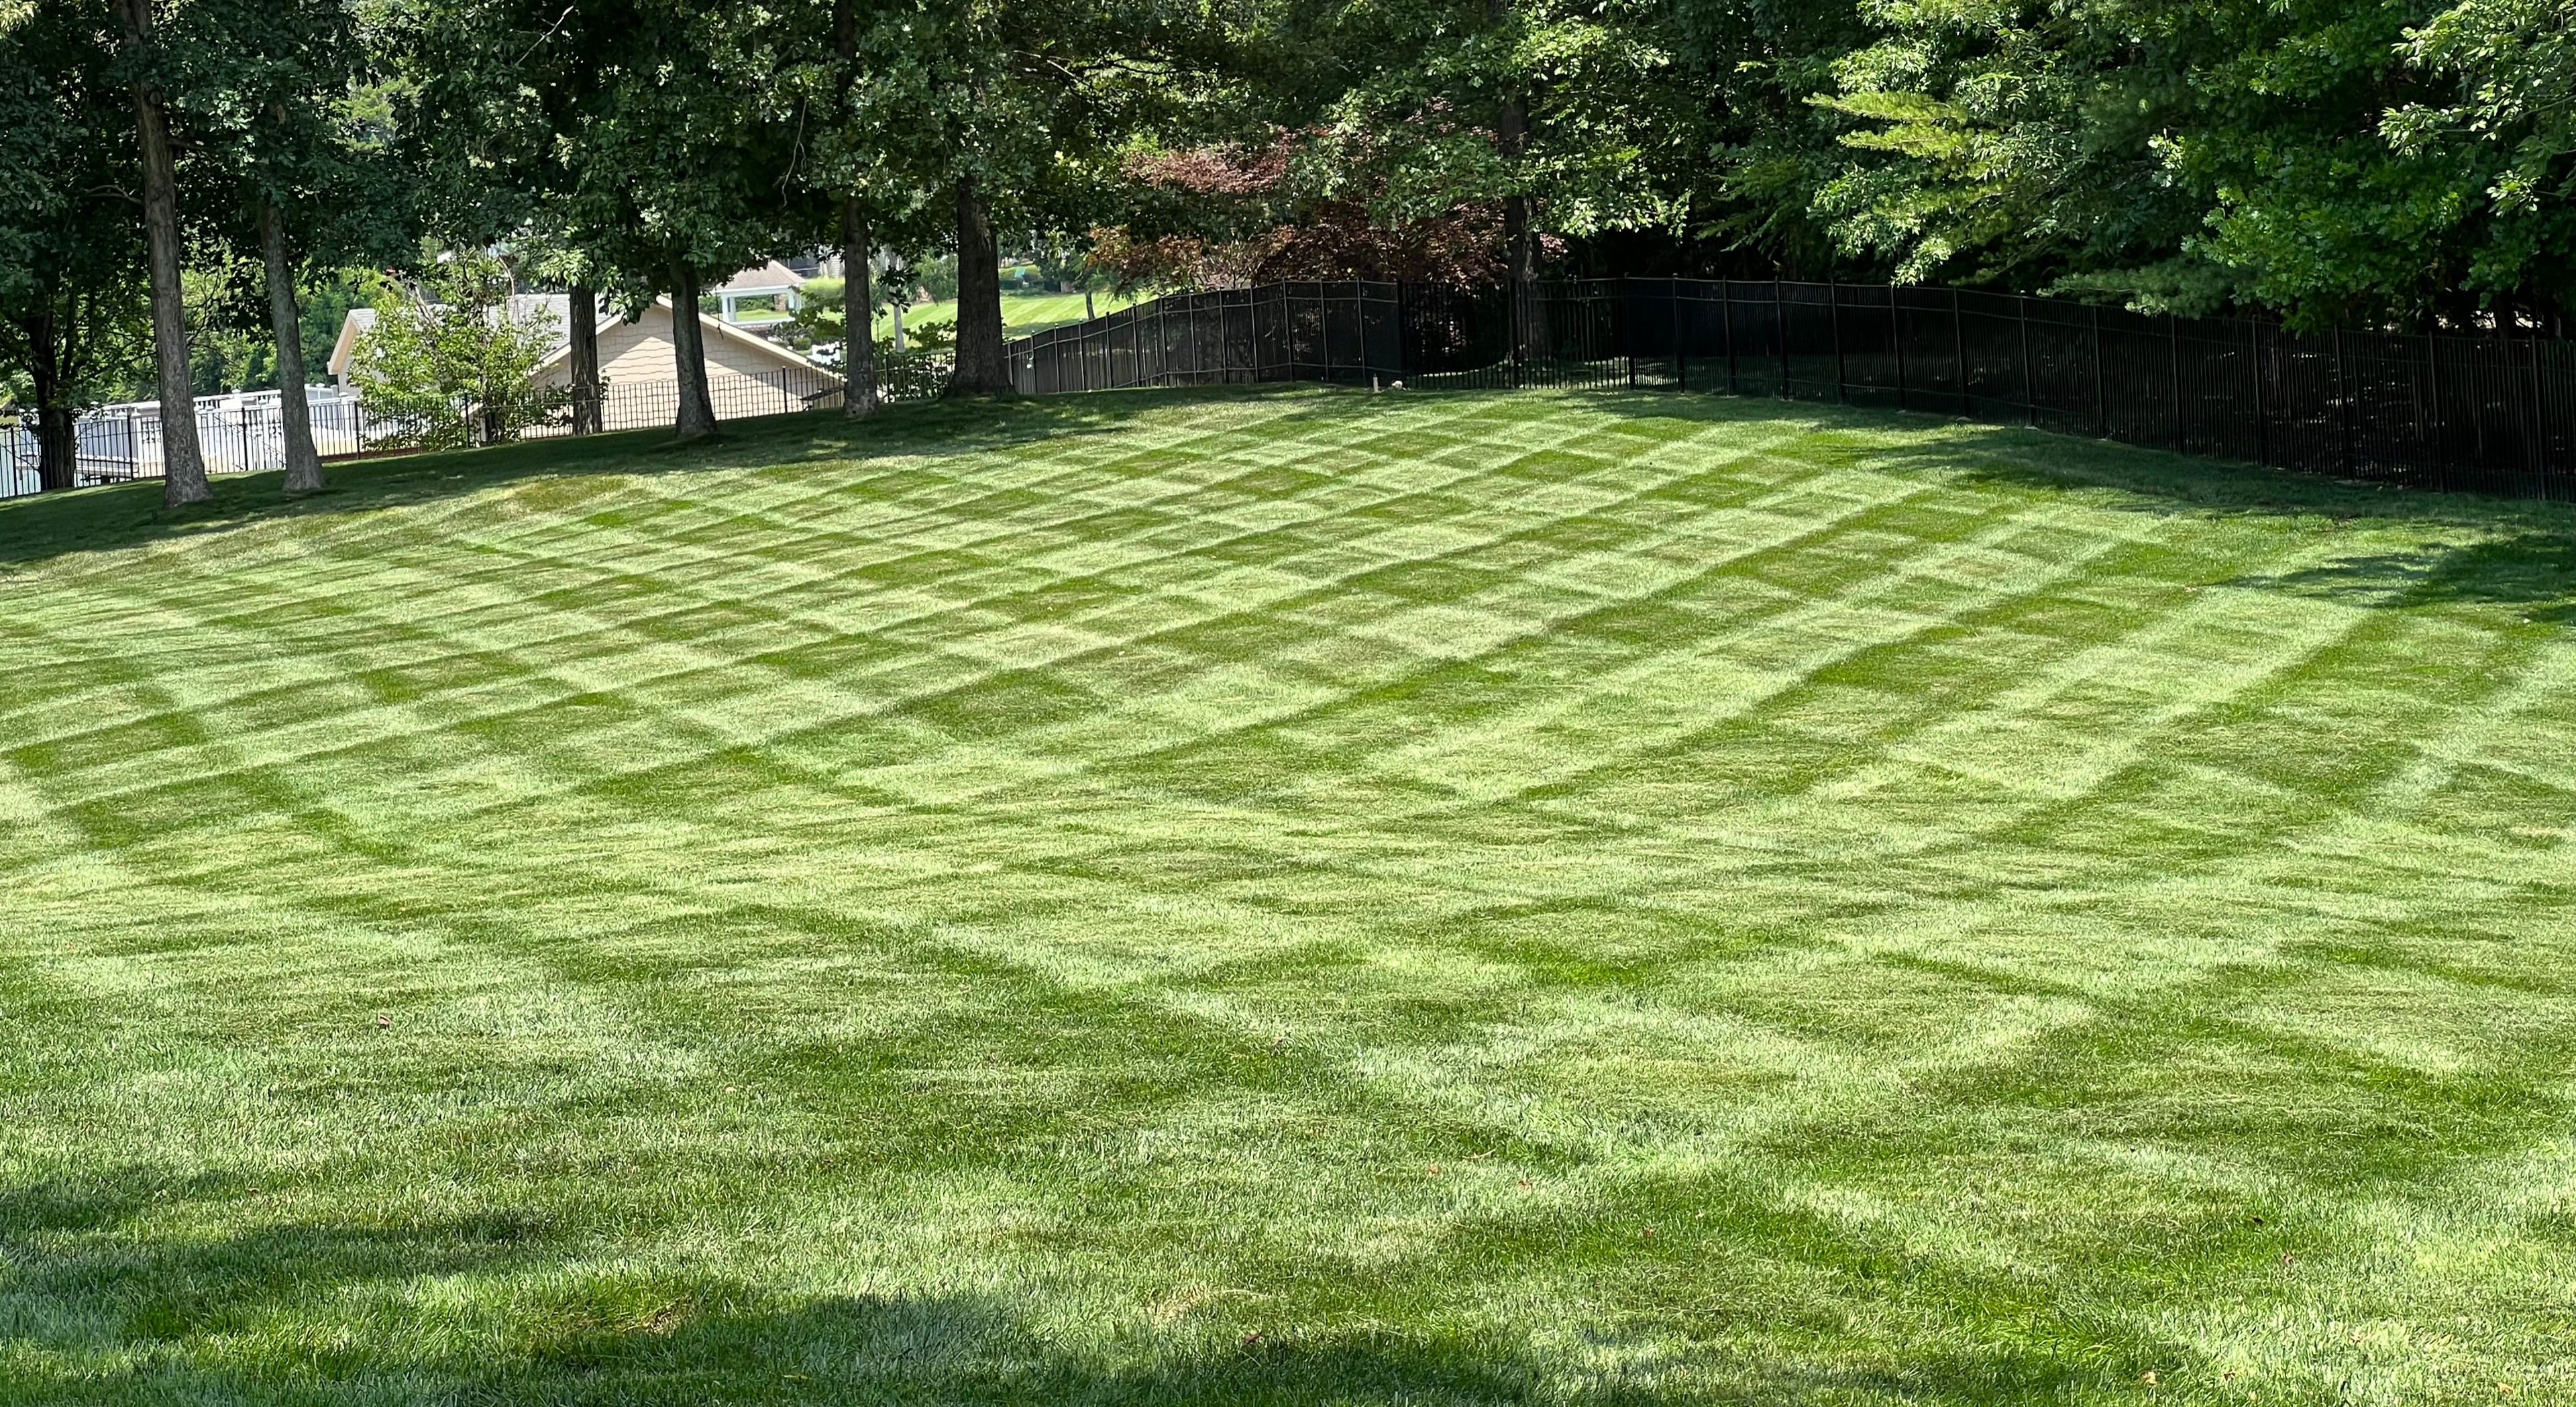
x,y
363,320
784,356
524,307
771,277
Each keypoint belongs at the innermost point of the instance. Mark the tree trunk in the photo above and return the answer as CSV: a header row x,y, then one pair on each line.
x,y
295,418
1520,239
1520,230
57,433
57,447
583,313
697,415
858,316
183,465
982,367
858,308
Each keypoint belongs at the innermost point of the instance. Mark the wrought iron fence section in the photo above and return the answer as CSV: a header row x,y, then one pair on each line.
x,y
2488,413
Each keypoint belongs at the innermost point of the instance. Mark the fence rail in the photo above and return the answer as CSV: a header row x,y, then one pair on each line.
x,y
2490,414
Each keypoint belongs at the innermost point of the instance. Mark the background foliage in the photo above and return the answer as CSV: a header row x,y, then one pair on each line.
x,y
2359,162
451,361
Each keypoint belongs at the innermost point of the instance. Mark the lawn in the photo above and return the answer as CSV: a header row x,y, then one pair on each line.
x,y
1022,313
1290,897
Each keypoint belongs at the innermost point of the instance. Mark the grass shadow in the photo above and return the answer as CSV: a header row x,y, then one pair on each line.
x,y
127,515
2534,573
2525,559
102,1301
130,515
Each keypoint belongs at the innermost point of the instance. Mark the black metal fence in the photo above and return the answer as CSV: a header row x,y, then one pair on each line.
x,y
2488,413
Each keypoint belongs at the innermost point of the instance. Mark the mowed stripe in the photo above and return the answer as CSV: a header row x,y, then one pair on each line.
x,y
1781,900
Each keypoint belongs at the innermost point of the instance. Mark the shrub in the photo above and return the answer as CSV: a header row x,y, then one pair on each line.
x,y
448,365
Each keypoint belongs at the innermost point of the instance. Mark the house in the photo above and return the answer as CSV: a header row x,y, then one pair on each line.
x,y
773,288
361,321
746,374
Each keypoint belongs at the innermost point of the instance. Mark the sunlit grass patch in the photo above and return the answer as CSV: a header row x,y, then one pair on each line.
x,y
1291,897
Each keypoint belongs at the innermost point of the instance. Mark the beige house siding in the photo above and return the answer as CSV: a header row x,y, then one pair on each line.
x,y
641,351
746,374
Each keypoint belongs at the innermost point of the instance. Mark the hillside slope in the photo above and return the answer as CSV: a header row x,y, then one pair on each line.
x,y
1290,897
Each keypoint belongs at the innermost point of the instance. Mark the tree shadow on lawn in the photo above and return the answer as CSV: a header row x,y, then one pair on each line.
x,y
2523,555
2155,480
2525,560
129,515
2531,561
99,1304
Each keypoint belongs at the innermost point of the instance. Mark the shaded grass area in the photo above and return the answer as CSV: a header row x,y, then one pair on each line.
x,y
1289,897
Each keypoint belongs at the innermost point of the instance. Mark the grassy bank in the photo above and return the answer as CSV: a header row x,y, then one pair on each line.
x,y
1296,898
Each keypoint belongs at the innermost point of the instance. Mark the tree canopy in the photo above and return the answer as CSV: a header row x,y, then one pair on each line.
x,y
2388,162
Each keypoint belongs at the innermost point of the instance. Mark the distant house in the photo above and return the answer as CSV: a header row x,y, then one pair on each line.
x,y
746,374
773,288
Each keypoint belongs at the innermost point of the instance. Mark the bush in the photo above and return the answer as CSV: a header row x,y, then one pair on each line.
x,y
914,375
448,366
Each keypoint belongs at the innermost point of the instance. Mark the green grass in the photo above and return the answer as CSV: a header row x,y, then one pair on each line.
x,y
1022,313
1290,898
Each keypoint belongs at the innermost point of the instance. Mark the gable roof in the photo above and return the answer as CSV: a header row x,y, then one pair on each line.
x,y
762,278
524,307
784,356
361,321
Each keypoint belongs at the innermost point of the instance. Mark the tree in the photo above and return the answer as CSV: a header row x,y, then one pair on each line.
x,y
2322,159
71,253
491,122
183,464
1236,216
2503,139
1549,108
643,138
288,149
1018,127
449,362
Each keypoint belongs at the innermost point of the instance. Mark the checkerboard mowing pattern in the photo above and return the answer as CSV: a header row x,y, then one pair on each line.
x,y
1290,897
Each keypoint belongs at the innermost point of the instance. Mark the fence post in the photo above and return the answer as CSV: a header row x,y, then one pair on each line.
x,y
1627,325
2029,397
1834,305
2173,354
2262,413
1780,329
1726,316
1959,351
1896,340
1512,320
2539,417
2343,411
2433,398
1324,329
1403,325
1681,359
2101,405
